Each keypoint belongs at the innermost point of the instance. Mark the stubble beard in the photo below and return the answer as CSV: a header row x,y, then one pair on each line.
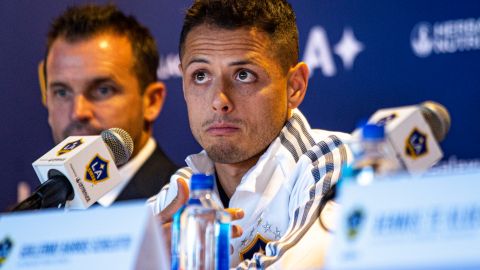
x,y
252,143
228,151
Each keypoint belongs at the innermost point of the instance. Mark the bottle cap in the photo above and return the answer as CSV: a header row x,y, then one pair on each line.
x,y
201,181
373,132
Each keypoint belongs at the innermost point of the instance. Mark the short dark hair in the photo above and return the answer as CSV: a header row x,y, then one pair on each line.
x,y
275,17
83,22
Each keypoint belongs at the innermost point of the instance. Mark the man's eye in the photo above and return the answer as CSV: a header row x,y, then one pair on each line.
x,y
200,77
60,93
103,92
245,76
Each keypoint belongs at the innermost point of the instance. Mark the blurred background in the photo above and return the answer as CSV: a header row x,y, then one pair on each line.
x,y
363,56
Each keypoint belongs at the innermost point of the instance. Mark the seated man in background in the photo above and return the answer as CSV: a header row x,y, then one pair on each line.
x,y
100,71
243,83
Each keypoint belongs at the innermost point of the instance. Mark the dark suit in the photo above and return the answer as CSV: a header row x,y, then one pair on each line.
x,y
150,178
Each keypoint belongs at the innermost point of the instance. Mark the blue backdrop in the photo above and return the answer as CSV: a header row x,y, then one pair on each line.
x,y
364,55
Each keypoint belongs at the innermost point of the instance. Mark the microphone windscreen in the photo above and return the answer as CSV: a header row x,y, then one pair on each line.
x,y
437,118
119,143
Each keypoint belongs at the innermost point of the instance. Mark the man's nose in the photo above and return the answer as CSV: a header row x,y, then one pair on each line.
x,y
222,101
82,108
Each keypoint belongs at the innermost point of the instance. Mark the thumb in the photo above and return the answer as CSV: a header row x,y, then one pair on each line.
x,y
183,194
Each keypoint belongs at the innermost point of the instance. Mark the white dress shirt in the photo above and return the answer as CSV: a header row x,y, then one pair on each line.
x,y
127,172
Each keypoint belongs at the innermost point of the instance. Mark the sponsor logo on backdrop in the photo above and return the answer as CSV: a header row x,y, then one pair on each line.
x,y
454,165
445,37
69,147
416,144
319,55
97,170
168,67
6,246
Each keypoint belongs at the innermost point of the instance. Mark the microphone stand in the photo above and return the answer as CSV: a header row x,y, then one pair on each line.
x,y
53,193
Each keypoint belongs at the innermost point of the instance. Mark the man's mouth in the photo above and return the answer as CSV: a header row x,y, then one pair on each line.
x,y
222,129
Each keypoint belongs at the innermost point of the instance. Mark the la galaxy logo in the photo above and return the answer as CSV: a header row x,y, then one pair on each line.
x,y
354,223
69,147
97,170
258,244
416,144
387,119
6,246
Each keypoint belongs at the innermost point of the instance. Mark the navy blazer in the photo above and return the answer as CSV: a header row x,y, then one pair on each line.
x,y
150,178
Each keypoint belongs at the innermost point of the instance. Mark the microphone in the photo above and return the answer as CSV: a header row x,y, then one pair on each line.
x,y
413,133
79,170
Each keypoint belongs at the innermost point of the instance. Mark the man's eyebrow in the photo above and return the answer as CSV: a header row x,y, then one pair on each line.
x,y
234,63
241,63
100,80
197,60
57,84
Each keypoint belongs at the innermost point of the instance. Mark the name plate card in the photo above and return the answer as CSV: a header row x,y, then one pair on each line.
x,y
124,236
409,223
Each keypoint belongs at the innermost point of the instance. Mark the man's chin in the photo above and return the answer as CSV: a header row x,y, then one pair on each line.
x,y
224,153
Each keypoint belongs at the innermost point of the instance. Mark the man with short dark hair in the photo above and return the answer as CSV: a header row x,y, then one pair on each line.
x,y
100,72
243,83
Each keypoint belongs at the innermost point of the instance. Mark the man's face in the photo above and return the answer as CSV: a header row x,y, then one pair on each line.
x,y
91,86
235,92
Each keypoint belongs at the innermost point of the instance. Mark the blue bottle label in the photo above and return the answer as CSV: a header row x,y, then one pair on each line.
x,y
175,248
223,246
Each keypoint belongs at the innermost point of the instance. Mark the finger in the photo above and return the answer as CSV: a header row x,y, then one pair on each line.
x,y
235,213
182,196
237,231
167,233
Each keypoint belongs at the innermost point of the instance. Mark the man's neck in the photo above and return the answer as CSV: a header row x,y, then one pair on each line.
x,y
230,175
146,135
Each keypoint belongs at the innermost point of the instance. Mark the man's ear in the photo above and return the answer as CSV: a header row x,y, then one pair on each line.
x,y
297,84
153,100
42,82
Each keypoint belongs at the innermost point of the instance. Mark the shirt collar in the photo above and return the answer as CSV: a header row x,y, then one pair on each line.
x,y
127,172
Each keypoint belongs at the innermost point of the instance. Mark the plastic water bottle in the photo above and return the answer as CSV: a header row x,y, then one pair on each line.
x,y
201,230
371,156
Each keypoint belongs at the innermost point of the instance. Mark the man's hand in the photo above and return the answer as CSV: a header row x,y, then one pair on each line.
x,y
236,213
237,231
183,193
